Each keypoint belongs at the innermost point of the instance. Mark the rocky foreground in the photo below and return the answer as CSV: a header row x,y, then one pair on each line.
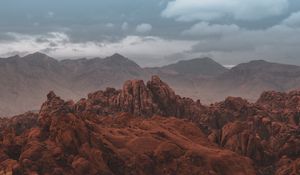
x,y
147,129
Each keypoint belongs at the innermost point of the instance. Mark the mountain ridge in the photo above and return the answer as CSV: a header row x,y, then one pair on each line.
x,y
25,81
120,56
201,66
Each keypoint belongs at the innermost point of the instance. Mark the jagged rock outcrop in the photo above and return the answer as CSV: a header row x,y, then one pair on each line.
x,y
260,131
12,139
148,129
288,166
283,106
63,142
155,98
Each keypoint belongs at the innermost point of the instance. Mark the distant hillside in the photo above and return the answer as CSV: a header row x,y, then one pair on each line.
x,y
25,80
198,66
250,79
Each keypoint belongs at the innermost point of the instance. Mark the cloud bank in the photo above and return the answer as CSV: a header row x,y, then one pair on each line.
x,y
204,29
207,10
293,20
144,28
145,50
155,32
278,43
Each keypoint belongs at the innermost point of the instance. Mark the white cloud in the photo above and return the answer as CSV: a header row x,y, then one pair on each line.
x,y
109,25
147,51
50,14
293,20
233,44
144,28
278,43
204,29
125,26
207,10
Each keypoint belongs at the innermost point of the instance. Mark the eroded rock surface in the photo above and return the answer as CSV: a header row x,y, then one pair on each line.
x,y
145,128
63,142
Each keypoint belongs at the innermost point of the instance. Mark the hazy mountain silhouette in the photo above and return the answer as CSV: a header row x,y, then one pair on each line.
x,y
250,79
25,80
198,66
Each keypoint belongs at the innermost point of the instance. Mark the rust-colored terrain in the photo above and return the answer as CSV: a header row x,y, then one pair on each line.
x,y
146,129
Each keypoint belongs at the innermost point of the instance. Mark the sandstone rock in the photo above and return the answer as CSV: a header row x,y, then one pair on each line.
x,y
66,143
155,98
148,129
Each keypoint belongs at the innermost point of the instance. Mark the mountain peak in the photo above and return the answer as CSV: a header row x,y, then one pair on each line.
x,y
119,61
117,55
198,66
38,56
258,62
202,59
257,65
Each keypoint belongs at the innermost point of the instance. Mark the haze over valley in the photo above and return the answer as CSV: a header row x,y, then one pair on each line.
x,y
26,80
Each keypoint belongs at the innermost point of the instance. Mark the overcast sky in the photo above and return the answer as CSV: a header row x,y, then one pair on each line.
x,y
153,32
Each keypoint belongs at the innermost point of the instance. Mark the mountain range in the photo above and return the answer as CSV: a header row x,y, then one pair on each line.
x,y
25,80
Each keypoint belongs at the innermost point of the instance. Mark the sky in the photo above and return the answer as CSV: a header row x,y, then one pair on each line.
x,y
153,32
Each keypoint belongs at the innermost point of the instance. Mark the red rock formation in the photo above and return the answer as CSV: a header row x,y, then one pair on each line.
x,y
283,106
155,98
66,143
120,132
288,166
12,139
258,131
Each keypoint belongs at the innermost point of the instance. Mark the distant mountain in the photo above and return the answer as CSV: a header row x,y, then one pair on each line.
x,y
25,80
190,77
198,66
92,74
250,79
